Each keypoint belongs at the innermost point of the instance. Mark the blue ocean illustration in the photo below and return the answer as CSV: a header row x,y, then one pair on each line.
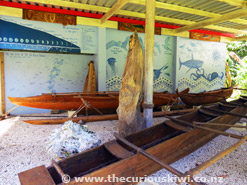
x,y
118,43
15,36
157,72
191,64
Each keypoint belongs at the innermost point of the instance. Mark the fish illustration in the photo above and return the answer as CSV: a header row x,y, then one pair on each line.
x,y
118,43
182,46
196,64
157,46
189,50
192,44
157,72
165,46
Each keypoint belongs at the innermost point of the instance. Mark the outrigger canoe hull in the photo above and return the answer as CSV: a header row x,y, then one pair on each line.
x,y
105,102
162,141
203,98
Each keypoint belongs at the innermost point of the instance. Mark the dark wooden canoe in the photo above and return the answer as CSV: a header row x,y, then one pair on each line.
x,y
103,101
205,97
165,141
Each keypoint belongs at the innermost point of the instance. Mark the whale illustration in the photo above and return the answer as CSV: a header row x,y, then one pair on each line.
x,y
196,64
15,36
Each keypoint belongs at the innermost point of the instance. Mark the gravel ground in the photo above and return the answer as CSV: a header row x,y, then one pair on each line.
x,y
23,146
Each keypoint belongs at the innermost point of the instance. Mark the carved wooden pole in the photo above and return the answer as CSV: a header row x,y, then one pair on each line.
x,y
148,62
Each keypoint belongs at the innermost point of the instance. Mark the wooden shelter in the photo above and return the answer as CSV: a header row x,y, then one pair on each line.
x,y
224,18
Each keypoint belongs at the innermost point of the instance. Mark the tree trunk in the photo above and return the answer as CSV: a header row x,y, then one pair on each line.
x,y
131,90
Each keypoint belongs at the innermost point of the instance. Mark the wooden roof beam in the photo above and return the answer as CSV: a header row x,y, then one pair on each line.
x,y
177,8
238,3
240,38
131,14
116,7
223,18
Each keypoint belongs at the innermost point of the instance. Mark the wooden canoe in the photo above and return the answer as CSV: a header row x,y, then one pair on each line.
x,y
167,141
203,98
103,101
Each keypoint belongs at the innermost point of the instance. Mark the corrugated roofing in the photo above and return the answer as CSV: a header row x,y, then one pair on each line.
x,y
173,12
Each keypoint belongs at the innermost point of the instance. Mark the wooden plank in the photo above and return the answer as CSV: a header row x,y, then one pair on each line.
x,y
117,6
2,83
223,18
37,175
148,63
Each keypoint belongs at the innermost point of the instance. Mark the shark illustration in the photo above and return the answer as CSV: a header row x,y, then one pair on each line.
x,y
196,64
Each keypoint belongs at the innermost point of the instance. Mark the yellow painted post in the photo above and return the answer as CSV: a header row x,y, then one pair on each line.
x,y
2,84
148,63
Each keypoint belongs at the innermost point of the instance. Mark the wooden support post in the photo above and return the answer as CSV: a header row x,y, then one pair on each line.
x,y
148,63
2,83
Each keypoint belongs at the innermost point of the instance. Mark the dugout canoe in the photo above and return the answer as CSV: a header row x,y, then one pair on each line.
x,y
103,101
168,141
208,97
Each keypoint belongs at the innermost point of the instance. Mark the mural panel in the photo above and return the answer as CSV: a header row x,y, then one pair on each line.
x,y
19,34
200,65
117,45
29,74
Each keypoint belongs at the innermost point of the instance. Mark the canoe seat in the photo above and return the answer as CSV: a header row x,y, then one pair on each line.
x,y
117,150
38,175
207,113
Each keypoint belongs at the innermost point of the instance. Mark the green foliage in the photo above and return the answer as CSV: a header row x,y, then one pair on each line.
x,y
238,71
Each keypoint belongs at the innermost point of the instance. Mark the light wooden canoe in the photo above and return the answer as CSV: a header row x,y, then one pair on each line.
x,y
103,101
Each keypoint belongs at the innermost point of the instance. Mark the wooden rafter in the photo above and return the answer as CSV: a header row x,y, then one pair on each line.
x,y
240,38
116,7
223,18
238,3
132,14
173,7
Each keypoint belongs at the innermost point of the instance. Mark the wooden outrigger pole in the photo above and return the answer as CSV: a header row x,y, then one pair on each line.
x,y
148,63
